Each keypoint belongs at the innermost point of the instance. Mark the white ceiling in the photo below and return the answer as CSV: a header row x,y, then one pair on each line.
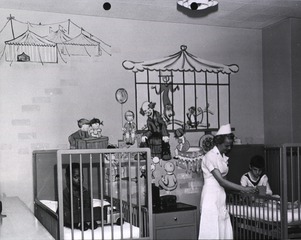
x,y
250,14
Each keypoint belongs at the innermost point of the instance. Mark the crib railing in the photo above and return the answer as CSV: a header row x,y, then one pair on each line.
x,y
254,216
114,175
269,217
134,215
283,167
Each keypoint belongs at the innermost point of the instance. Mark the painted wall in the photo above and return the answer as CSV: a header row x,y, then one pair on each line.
x,y
277,83
281,81
41,103
296,76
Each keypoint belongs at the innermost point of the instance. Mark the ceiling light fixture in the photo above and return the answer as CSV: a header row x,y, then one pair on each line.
x,y
197,4
107,6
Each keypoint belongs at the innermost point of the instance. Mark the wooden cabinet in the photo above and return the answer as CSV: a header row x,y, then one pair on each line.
x,y
176,223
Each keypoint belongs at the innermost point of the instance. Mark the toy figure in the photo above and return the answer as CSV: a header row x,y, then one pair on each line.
x,y
183,145
153,168
82,133
165,88
169,182
192,116
156,137
143,172
113,162
95,130
129,128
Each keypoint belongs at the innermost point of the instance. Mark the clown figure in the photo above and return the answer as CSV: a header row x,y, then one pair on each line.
x,y
156,136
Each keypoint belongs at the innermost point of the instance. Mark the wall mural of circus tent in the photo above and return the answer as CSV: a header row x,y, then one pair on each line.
x,y
30,47
189,92
47,43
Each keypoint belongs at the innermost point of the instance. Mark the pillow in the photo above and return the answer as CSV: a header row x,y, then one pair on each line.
x,y
50,204
53,204
97,203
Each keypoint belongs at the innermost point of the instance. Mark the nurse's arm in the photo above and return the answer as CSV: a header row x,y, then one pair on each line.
x,y
230,185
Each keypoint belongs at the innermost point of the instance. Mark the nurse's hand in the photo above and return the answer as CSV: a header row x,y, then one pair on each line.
x,y
249,189
165,139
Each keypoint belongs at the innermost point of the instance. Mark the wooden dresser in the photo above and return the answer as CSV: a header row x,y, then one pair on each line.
x,y
179,222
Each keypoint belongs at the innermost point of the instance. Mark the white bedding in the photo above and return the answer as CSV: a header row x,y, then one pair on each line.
x,y
127,230
53,204
107,232
268,212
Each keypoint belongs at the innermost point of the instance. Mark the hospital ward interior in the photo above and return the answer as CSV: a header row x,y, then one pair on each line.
x,y
119,116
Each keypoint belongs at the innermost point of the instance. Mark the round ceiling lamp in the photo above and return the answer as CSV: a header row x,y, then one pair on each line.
x,y
197,4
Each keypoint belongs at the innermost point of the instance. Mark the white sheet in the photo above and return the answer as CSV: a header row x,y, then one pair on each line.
x,y
53,204
127,230
267,212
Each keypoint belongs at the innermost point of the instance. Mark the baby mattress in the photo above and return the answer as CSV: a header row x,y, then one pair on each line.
x,y
265,212
125,231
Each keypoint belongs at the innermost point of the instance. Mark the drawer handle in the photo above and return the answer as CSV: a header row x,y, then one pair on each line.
x,y
175,218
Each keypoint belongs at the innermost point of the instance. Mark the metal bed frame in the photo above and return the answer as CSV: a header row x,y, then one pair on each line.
x,y
269,217
136,209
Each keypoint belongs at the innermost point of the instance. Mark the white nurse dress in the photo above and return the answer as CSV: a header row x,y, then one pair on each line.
x,y
215,220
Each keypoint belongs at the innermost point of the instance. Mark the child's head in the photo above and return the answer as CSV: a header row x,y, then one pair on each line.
x,y
256,165
95,123
75,175
147,109
179,132
83,124
180,135
129,116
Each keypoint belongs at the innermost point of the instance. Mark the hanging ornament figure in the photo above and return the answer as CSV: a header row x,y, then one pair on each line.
x,y
129,128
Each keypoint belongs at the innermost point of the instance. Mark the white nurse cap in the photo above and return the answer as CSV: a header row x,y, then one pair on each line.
x,y
224,129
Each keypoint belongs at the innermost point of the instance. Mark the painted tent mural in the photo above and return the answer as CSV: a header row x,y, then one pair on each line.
x,y
64,39
59,37
189,92
30,47
82,45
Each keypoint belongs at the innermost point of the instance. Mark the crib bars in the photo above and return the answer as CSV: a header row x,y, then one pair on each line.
x,y
269,217
112,175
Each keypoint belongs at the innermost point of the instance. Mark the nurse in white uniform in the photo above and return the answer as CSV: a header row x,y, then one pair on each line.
x,y
215,220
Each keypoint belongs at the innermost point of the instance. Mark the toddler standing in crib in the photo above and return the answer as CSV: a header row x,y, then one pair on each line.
x,y
256,176
76,189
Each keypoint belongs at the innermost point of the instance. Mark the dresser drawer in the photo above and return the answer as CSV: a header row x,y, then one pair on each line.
x,y
175,218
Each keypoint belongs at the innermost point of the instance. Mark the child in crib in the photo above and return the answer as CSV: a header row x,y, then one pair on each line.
x,y
76,188
256,176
